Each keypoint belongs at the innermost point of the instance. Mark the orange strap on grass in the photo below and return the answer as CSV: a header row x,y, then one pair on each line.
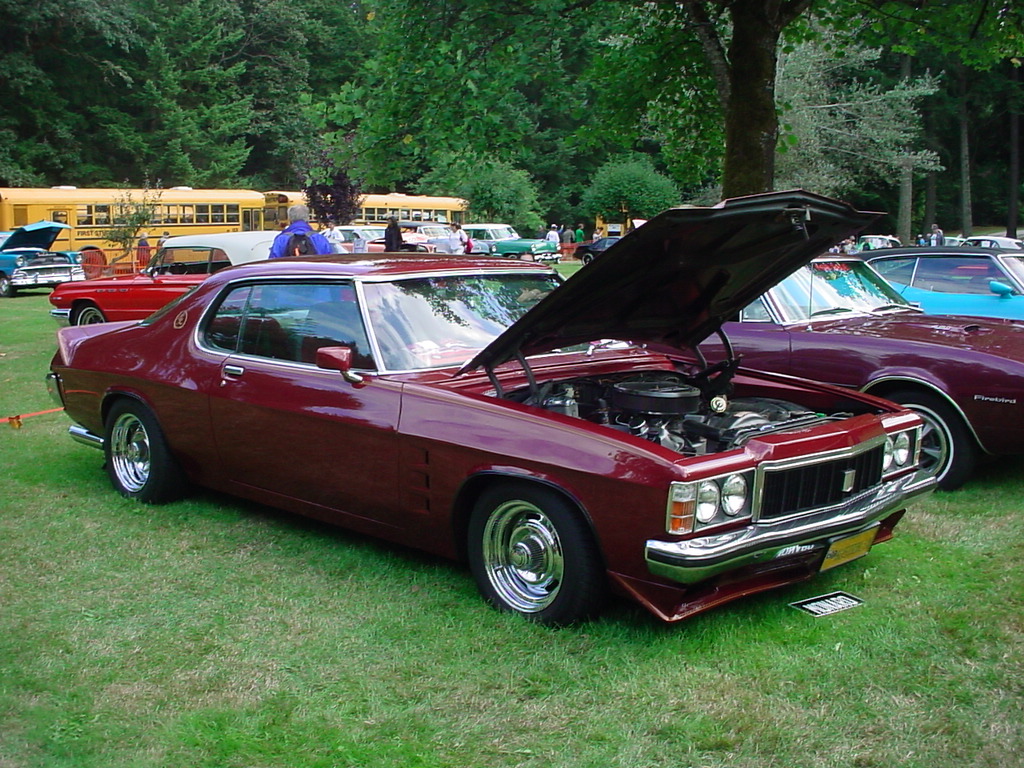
x,y
15,421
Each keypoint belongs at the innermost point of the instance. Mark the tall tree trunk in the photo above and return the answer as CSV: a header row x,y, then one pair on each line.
x,y
906,202
931,196
751,123
966,212
1013,193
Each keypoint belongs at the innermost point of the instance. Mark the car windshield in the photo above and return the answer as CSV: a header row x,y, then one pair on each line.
x,y
502,233
433,322
834,287
435,230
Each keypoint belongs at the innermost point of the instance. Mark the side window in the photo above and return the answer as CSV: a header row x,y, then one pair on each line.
x,y
183,260
895,270
291,321
755,312
224,329
955,275
219,260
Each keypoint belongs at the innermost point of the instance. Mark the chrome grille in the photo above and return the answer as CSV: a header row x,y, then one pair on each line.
x,y
791,491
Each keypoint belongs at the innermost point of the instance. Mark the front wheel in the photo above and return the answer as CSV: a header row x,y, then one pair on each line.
x,y
7,289
532,553
587,258
139,463
88,314
949,452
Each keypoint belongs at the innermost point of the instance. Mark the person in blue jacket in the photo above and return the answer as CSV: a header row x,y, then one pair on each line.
x,y
298,238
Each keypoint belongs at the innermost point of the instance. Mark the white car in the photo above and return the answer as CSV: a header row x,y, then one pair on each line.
x,y
993,241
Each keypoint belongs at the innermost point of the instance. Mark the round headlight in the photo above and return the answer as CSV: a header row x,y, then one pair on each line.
x,y
708,497
20,261
734,495
887,452
901,449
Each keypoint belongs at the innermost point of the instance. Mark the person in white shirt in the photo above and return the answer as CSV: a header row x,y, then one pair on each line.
x,y
552,234
334,237
456,238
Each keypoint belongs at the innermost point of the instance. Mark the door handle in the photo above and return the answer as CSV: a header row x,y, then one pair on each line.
x,y
233,370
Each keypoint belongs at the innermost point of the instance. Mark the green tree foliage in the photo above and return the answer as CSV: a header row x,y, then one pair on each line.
x,y
55,56
628,188
845,121
496,190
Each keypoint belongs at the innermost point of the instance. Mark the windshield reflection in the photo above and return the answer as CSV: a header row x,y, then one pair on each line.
x,y
433,322
830,288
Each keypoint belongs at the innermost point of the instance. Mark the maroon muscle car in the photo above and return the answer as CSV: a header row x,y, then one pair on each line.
x,y
478,409
838,321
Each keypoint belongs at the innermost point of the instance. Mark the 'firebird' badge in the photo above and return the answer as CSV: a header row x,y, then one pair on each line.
x,y
180,319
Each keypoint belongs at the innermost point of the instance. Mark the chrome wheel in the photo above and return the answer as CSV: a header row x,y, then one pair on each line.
x,y
935,443
523,556
88,315
130,453
949,452
6,287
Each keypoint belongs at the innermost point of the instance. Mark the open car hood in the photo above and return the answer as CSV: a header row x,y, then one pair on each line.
x,y
38,235
677,278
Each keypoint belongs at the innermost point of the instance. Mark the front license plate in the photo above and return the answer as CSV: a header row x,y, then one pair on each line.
x,y
849,548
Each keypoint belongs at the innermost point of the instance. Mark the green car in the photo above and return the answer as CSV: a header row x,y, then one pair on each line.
x,y
502,240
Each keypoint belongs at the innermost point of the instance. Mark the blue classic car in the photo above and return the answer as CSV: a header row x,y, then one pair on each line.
x,y
26,260
983,282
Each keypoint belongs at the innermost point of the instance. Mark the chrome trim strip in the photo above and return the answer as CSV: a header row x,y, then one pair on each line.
x,y
82,435
694,560
914,382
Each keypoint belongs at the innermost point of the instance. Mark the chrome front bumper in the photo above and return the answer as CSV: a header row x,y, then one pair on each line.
x,y
694,560
62,316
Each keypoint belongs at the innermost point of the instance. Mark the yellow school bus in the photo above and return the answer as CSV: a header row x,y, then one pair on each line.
x,y
374,209
90,213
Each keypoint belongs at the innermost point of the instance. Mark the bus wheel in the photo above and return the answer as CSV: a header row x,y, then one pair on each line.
x,y
93,262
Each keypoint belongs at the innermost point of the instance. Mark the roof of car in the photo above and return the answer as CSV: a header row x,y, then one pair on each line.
x,y
931,250
239,246
372,264
223,240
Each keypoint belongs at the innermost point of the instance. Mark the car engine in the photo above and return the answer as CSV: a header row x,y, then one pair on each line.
x,y
672,411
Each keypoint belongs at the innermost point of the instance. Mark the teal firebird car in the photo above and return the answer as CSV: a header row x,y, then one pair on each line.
x,y
983,282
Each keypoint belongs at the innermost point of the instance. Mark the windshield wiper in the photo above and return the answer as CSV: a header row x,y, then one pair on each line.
x,y
883,307
830,311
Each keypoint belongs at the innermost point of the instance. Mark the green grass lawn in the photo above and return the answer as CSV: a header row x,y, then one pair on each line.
x,y
216,632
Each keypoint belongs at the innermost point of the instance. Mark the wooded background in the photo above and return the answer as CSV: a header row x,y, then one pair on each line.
x,y
550,110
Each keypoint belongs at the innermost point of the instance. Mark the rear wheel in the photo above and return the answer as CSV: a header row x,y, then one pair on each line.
x,y
587,258
87,314
139,463
532,553
949,452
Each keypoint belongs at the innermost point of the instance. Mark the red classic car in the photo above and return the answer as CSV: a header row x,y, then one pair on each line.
x,y
479,409
180,264
838,321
